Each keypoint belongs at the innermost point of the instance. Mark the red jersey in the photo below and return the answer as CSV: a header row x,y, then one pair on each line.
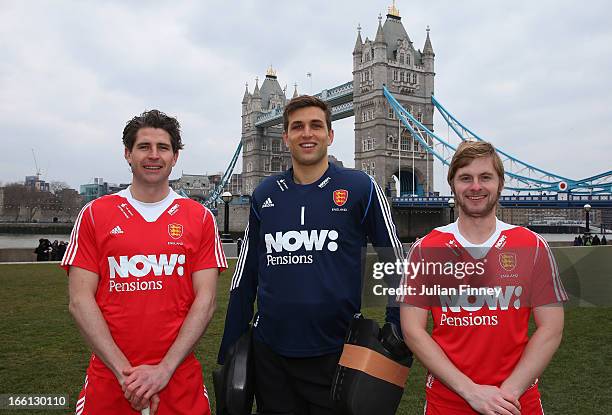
x,y
145,289
481,297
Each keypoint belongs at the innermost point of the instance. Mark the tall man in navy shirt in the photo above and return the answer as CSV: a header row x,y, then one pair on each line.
x,y
302,257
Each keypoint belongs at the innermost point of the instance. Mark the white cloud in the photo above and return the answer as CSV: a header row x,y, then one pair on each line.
x,y
532,77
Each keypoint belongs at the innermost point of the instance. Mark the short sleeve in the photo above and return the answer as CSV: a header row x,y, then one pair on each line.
x,y
210,253
82,250
546,285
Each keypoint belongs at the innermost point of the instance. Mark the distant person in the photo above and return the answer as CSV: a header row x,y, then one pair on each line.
x,y
577,241
42,250
596,240
61,249
604,241
238,245
55,251
39,250
479,355
143,267
587,240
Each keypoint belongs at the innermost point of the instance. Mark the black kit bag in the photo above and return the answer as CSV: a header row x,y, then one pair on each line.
x,y
234,381
372,370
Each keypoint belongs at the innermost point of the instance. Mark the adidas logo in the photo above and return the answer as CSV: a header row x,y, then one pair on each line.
x,y
267,203
116,231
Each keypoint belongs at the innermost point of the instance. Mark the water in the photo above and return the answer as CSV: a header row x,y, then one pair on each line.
x,y
9,240
558,237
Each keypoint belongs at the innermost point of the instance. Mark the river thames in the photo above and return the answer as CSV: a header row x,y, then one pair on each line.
x,y
11,240
8,240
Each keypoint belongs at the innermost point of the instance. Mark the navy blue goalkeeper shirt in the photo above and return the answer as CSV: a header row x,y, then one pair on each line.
x,y
302,258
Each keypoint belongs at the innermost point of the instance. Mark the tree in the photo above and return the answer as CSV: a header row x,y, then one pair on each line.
x,y
18,197
70,201
55,187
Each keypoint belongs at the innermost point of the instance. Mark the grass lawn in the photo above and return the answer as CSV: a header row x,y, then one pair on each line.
x,y
41,350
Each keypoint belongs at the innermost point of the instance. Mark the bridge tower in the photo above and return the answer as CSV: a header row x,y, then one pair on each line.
x,y
391,59
263,150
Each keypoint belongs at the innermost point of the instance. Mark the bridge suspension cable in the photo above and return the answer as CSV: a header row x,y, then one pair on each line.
x,y
215,195
520,176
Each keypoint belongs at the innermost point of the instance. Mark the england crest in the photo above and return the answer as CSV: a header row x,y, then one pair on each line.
x,y
340,197
507,260
175,230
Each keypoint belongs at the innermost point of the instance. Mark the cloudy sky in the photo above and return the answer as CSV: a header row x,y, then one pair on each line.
x,y
533,77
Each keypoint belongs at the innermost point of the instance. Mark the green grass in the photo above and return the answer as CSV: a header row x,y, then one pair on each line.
x,y
41,350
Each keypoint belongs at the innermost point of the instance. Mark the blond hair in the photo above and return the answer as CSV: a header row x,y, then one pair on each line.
x,y
470,150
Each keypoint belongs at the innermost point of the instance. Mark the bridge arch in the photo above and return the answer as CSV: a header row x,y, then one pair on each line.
x,y
408,186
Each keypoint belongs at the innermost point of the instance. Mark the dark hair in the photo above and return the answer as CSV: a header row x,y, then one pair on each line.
x,y
153,119
304,101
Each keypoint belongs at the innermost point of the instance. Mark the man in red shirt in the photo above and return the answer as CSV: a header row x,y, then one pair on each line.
x,y
481,279
143,267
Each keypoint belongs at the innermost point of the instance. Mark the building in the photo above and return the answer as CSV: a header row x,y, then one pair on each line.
x,y
98,188
214,180
22,203
391,59
606,218
263,150
333,160
116,188
35,183
194,186
234,186
91,191
550,216
200,186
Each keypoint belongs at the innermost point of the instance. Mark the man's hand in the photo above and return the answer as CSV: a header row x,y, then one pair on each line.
x,y
541,347
152,404
515,394
143,382
491,400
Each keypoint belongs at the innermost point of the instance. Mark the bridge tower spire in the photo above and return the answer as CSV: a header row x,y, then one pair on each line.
x,y
358,49
263,151
408,73
428,66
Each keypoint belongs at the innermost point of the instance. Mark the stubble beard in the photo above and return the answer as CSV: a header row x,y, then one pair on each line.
x,y
489,207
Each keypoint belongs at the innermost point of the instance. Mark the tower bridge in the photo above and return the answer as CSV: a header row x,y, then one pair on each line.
x,y
389,59
340,100
391,98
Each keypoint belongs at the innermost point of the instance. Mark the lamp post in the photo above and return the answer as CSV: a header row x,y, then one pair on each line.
x,y
587,209
451,205
227,198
